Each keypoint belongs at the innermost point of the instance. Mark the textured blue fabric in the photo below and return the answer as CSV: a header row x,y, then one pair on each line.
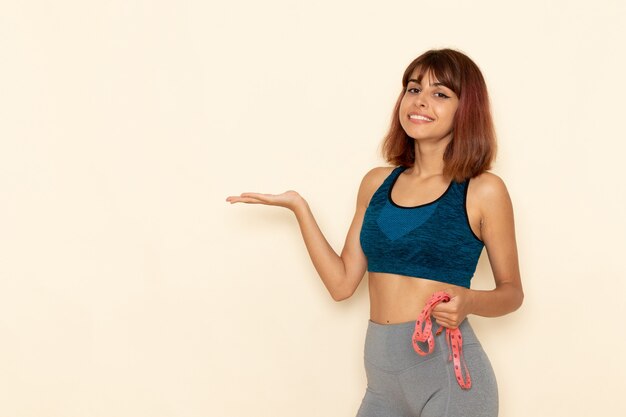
x,y
432,241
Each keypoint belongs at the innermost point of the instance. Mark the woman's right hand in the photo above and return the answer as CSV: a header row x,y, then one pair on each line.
x,y
289,199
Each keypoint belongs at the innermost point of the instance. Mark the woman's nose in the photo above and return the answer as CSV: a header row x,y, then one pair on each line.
x,y
420,101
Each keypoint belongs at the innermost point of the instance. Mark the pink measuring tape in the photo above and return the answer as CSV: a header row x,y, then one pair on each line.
x,y
454,338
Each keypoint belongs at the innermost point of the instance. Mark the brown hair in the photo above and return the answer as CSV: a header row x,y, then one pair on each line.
x,y
473,145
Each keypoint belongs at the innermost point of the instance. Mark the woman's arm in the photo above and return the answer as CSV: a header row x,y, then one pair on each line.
x,y
497,231
340,274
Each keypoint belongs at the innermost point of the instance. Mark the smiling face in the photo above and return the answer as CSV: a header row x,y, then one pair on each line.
x,y
427,108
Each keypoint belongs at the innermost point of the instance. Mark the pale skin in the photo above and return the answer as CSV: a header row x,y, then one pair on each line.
x,y
396,298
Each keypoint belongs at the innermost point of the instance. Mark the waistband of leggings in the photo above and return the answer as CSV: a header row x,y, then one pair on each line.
x,y
469,337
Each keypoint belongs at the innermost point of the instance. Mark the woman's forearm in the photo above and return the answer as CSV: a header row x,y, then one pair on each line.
x,y
327,262
505,299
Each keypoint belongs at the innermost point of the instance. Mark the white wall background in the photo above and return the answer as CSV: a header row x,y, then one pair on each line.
x,y
129,287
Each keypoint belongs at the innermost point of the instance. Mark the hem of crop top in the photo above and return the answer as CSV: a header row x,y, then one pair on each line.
x,y
458,282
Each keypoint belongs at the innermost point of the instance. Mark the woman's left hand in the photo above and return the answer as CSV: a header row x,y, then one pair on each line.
x,y
452,313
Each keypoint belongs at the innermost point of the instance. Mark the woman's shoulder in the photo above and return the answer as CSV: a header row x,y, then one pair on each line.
x,y
371,181
488,188
378,174
488,182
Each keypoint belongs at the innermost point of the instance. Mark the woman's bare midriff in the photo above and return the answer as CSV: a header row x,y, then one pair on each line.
x,y
398,298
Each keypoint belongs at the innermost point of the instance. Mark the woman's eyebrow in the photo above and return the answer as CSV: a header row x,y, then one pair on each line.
x,y
413,80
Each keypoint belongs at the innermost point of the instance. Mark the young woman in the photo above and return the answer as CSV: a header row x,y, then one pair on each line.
x,y
419,229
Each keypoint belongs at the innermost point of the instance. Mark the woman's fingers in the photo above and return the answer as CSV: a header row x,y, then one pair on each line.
x,y
252,198
243,200
446,320
287,199
242,196
447,314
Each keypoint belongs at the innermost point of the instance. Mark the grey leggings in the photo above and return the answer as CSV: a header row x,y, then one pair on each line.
x,y
400,383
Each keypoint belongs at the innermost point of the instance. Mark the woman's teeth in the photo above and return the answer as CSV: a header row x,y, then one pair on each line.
x,y
418,117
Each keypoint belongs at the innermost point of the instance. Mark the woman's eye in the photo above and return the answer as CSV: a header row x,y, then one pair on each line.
x,y
441,95
414,90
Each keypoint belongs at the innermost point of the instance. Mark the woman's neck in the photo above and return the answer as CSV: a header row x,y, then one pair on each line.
x,y
429,158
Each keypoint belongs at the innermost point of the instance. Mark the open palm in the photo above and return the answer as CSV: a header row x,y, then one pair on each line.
x,y
289,199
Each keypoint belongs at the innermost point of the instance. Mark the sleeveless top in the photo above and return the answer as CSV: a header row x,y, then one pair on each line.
x,y
432,241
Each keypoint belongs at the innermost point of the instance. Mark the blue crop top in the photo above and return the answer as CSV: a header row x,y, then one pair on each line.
x,y
432,241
